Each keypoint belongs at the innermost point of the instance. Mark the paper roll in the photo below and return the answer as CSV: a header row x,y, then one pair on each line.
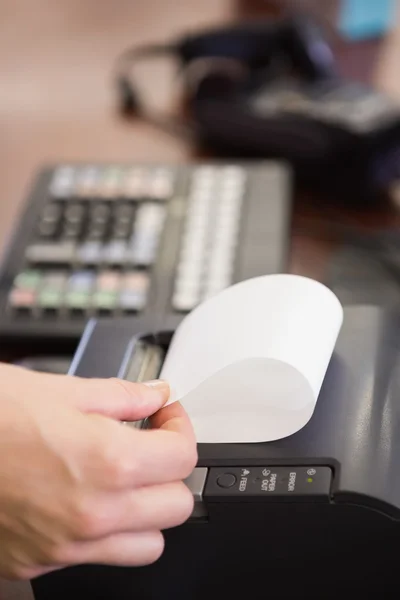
x,y
248,364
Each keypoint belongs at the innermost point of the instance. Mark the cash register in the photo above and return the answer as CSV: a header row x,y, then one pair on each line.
x,y
315,515
137,240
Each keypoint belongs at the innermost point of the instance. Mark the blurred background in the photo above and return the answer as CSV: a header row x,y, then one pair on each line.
x,y
57,101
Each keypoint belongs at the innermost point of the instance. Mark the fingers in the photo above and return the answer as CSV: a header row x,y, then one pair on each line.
x,y
120,457
124,530
155,507
124,549
107,489
33,572
145,509
119,399
173,418
174,447
115,398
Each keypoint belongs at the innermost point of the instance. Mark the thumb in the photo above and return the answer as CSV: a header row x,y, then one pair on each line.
x,y
120,399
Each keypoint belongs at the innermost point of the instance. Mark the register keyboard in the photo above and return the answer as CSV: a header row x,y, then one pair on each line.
x,y
150,241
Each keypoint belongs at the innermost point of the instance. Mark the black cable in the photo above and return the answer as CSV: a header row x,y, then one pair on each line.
x,y
129,97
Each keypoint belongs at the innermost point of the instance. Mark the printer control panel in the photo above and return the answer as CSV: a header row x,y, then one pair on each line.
x,y
269,483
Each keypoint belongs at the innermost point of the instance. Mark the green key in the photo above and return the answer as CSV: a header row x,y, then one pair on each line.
x,y
105,300
77,299
50,298
28,280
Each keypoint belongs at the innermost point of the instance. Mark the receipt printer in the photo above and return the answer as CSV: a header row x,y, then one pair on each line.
x,y
315,515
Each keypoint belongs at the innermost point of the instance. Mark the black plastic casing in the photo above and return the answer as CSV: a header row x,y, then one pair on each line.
x,y
343,543
263,249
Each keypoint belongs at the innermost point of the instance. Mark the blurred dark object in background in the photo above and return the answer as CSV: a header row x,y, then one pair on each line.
x,y
352,20
269,88
356,59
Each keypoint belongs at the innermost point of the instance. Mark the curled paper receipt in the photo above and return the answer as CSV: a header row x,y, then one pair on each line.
x,y
248,364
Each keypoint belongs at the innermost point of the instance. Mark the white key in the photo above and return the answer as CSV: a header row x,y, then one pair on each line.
x,y
202,191
233,174
204,174
228,204
221,260
220,265
189,273
230,198
115,252
226,237
63,182
185,302
194,237
200,204
87,182
192,256
215,285
161,189
196,211
187,286
220,271
234,189
134,183
161,184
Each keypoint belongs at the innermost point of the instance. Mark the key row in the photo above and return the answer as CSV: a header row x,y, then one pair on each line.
x,y
93,253
95,181
83,292
208,250
79,220
134,182
139,249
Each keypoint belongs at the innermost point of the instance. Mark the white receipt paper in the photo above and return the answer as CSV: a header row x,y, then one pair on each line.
x,y
248,364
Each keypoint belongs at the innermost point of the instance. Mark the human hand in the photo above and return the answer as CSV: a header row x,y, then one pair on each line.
x,y
76,485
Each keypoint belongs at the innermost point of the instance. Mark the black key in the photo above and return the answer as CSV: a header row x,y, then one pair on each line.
x,y
49,223
52,213
74,213
72,230
121,230
100,213
47,229
124,213
96,231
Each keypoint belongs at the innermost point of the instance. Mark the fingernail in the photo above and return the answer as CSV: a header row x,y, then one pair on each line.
x,y
157,384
